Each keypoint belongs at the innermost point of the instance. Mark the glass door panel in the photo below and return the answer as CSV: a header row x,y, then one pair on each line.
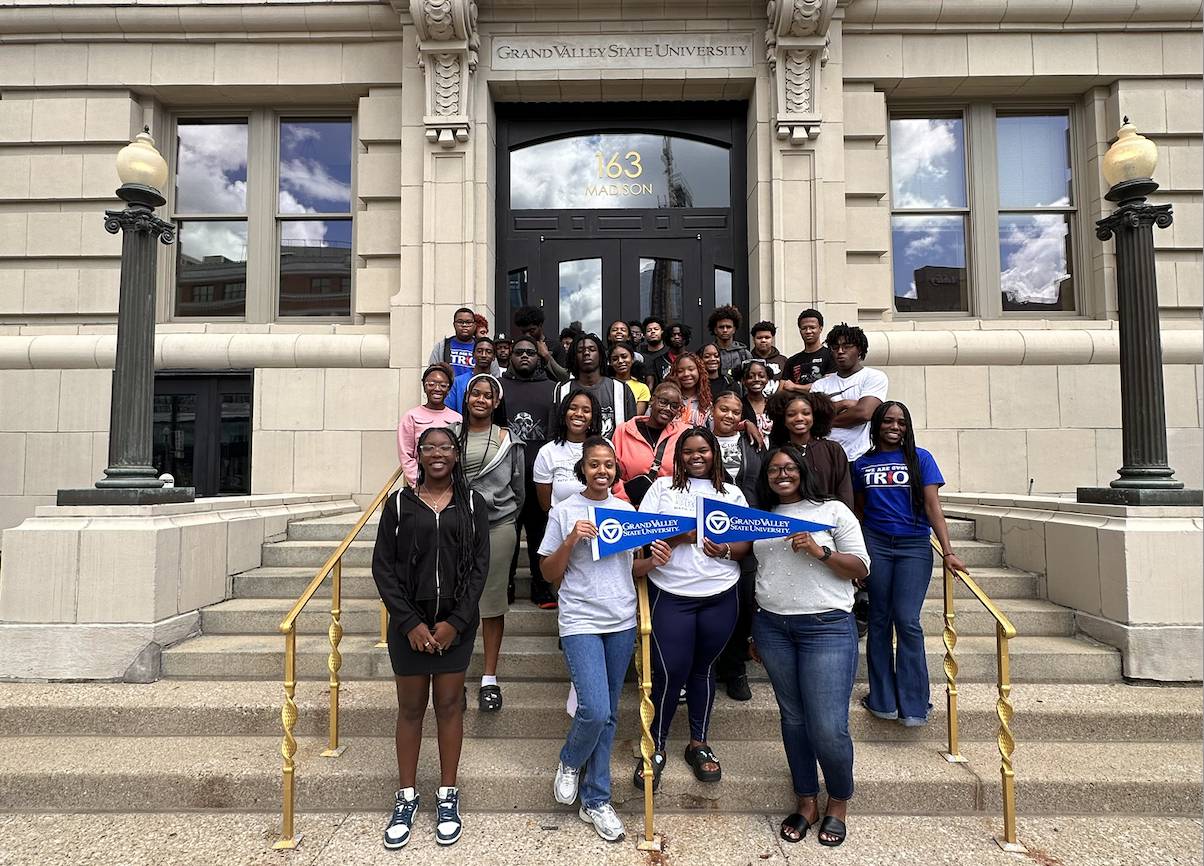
x,y
174,448
580,295
663,277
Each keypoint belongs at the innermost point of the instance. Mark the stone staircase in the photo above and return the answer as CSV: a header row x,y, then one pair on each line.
x,y
207,736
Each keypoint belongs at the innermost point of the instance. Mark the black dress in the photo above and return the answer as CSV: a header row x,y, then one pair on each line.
x,y
415,563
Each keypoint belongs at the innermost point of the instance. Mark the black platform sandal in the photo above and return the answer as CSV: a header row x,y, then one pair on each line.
x,y
489,699
658,765
698,757
797,823
833,827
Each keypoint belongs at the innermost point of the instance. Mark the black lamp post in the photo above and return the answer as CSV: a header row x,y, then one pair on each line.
x,y
1146,477
130,478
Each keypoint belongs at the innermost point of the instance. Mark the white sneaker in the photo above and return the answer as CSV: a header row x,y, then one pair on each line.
x,y
605,821
564,787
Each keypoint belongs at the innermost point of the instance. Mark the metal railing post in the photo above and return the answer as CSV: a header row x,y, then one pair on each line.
x,y
954,755
1007,745
643,659
335,661
288,745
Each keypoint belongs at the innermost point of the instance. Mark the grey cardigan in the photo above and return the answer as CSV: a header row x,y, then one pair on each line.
x,y
502,482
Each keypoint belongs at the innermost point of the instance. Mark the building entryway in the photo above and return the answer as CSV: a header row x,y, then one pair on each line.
x,y
621,212
202,432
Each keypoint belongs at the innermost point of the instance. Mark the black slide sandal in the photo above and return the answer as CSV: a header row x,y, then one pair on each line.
x,y
489,699
658,764
832,827
698,757
798,823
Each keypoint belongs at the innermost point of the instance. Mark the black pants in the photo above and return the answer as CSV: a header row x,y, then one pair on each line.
x,y
735,654
532,520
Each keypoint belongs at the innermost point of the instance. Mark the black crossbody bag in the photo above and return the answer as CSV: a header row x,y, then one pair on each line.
x,y
637,488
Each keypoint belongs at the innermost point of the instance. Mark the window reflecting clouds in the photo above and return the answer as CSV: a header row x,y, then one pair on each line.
x,y
661,289
723,287
1033,160
929,263
211,167
211,268
315,268
620,170
315,166
1034,261
581,294
927,163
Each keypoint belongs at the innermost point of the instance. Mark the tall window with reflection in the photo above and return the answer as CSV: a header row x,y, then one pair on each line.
x,y
930,214
211,213
314,217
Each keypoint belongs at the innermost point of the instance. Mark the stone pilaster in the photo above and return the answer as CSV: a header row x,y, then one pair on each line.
x,y
796,45
447,46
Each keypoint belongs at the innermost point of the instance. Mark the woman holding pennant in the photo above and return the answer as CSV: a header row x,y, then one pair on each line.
x,y
694,600
597,619
804,634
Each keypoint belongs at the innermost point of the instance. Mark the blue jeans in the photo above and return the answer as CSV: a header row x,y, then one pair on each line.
x,y
597,664
900,570
811,660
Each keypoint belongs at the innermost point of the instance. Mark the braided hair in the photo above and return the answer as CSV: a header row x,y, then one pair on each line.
x,y
681,478
462,496
908,447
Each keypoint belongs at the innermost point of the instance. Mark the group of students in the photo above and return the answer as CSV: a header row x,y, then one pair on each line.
x,y
651,427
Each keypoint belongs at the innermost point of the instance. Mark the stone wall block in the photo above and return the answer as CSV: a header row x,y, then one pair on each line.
x,y
202,574
1024,397
244,543
1184,110
99,289
378,459
378,230
1143,565
991,460
867,171
361,400
14,176
127,574
326,462
12,463
380,115
864,114
999,54
371,63
313,63
51,290
869,56
1089,395
57,64
16,120
252,63
374,287
1061,461
118,63
1023,537
272,466
55,175
1182,53
17,65
870,221
84,398
907,385
1072,562
54,461
182,63
1129,53
46,588
1186,449
29,400
945,449
943,56
955,397
378,175
112,119
99,176
59,119
291,399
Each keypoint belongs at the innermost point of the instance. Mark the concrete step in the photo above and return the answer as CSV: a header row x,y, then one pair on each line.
x,y
243,773
289,581
1044,713
336,528
362,616
526,657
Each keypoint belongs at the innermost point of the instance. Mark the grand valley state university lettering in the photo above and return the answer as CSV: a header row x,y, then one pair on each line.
x,y
615,51
628,51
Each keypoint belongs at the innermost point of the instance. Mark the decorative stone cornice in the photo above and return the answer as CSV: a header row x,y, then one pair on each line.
x,y
448,44
796,46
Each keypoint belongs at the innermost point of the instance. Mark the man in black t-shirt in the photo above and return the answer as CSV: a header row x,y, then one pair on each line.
x,y
814,361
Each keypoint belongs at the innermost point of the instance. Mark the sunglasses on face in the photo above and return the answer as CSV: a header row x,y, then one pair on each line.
x,y
524,353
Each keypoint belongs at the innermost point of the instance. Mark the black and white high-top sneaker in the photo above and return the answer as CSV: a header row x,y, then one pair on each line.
x,y
447,816
401,822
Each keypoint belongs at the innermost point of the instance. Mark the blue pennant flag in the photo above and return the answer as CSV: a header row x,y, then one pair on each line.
x,y
623,530
726,522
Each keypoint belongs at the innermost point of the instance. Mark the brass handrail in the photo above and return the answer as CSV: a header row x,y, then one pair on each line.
x,y
643,667
333,567
1004,632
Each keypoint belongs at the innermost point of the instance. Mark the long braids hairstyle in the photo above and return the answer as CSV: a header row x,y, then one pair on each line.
x,y
822,413
702,389
808,487
908,447
681,478
497,420
462,497
562,411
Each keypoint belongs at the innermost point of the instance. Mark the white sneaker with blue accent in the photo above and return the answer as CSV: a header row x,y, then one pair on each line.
x,y
447,816
605,820
564,787
397,834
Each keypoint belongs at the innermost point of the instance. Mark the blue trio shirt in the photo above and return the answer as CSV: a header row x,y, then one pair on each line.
x,y
884,479
461,356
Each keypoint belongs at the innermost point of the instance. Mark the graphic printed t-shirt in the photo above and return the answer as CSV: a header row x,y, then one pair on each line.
x,y
733,459
885,480
595,597
461,356
805,367
554,465
866,382
690,572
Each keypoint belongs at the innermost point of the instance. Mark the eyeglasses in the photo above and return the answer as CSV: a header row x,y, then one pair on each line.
x,y
464,321
434,383
787,470
443,450
661,401
524,353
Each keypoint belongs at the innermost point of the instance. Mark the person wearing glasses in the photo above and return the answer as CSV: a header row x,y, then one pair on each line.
x,y
694,600
429,564
803,633
644,445
456,350
436,384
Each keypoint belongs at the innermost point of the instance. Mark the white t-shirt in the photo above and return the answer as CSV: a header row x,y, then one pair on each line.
x,y
790,583
595,597
733,459
554,465
866,382
690,572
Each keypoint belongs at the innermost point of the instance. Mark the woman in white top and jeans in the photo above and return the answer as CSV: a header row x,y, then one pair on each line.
x,y
804,634
597,632
694,602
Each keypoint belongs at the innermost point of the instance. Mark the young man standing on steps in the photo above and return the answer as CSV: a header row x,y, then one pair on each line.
x,y
723,324
456,350
814,361
586,356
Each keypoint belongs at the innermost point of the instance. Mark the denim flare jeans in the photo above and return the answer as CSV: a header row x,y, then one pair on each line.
x,y
811,660
900,570
597,664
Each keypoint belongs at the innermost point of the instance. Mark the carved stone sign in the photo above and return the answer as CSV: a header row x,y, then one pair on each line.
x,y
622,51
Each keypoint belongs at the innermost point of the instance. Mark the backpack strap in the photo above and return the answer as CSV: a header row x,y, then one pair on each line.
x,y
659,456
620,402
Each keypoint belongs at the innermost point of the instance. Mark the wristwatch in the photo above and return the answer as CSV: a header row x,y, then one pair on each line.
x,y
827,553
727,551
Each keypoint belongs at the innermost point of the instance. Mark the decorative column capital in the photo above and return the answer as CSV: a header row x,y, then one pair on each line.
x,y
448,45
139,218
1133,216
796,47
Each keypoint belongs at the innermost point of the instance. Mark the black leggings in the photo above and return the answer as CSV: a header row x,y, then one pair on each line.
x,y
688,634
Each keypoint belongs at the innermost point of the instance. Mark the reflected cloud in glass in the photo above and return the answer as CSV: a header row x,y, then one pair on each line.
x,y
1033,261
315,166
581,294
211,167
928,163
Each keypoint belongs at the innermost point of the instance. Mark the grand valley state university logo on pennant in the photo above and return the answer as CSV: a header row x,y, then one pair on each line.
x,y
725,522
623,530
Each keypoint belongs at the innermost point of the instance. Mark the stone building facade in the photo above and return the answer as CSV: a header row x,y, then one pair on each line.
x,y
345,176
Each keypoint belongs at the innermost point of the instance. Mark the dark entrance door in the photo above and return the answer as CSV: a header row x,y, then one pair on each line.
x,y
202,432
621,212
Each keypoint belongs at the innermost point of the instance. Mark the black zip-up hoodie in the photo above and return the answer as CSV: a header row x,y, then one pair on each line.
x,y
529,411
414,563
